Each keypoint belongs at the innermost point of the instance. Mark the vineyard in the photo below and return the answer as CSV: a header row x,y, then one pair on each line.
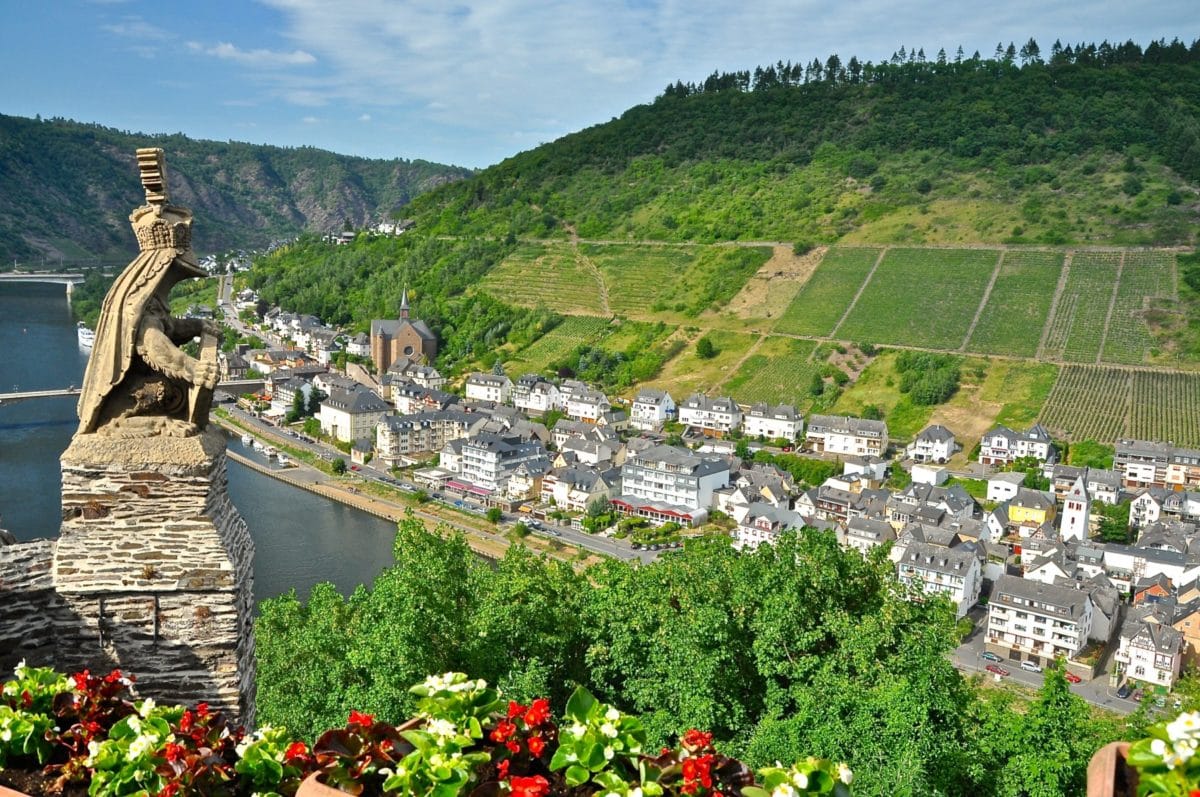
x,y
1078,323
922,297
824,298
1144,277
1016,310
639,278
556,344
545,274
1104,404
778,372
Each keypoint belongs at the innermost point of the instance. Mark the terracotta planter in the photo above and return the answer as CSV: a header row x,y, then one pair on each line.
x,y
7,792
1109,775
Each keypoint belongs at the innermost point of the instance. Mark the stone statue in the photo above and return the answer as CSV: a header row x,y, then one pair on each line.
x,y
139,383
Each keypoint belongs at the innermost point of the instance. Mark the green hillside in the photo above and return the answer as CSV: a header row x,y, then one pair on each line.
x,y
66,189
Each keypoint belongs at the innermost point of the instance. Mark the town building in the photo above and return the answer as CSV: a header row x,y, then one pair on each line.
x,y
763,524
350,415
651,409
404,337
781,422
953,572
488,459
1003,446
536,395
933,444
1029,620
664,483
835,434
496,388
715,417
1076,515
401,439
1151,650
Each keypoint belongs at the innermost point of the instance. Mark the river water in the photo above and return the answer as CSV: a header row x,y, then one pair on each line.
x,y
300,538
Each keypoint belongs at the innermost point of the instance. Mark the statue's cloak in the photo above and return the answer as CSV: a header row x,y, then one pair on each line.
x,y
117,330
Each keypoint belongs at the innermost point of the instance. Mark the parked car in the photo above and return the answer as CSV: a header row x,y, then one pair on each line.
x,y
1029,666
1073,678
989,656
996,669
1125,691
1138,694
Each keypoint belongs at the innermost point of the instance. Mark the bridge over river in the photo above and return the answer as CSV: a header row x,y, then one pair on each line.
x,y
234,388
52,277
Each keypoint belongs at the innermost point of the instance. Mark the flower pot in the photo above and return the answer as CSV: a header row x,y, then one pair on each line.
x,y
1108,773
311,787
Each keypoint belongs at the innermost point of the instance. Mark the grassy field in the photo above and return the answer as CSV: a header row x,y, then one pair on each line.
x,y
921,297
779,371
1144,276
877,386
1016,310
557,343
545,274
686,373
823,299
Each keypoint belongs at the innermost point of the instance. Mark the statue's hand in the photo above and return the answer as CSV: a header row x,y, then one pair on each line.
x,y
206,375
212,328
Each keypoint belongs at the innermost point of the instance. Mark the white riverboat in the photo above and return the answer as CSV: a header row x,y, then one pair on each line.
x,y
87,338
247,440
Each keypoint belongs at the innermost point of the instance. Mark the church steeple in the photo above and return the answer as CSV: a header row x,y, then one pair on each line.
x,y
404,305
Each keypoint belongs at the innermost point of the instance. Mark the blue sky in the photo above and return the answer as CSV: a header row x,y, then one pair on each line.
x,y
468,82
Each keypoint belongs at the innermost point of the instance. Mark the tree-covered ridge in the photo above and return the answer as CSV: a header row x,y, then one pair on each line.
x,y
1047,147
66,189
795,649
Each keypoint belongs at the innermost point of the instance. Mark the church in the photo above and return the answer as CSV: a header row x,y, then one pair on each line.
x,y
391,340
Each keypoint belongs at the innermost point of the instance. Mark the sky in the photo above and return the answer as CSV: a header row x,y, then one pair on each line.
x,y
469,82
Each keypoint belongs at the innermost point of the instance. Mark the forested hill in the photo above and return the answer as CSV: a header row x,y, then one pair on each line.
x,y
67,189
1092,143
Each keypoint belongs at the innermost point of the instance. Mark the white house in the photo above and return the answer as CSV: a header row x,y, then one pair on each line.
x,y
488,459
763,524
351,415
834,434
1002,445
933,444
573,489
398,439
587,405
664,483
780,422
535,395
863,534
489,387
1003,486
359,345
651,409
1037,622
716,417
953,572
1151,650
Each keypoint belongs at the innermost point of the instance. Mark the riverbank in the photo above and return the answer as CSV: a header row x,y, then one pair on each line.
x,y
349,491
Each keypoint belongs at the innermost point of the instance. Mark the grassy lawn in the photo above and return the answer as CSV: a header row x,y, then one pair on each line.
x,y
686,373
825,296
878,386
1013,319
1021,389
779,371
921,297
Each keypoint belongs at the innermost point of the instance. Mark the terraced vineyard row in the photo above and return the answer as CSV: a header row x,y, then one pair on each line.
x,y
545,274
779,372
1099,403
1015,314
638,277
1145,276
557,343
922,297
1088,403
823,300
1078,324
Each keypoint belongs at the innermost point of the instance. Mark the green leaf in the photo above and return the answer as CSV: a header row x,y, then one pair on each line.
x,y
595,760
754,791
580,704
577,775
560,758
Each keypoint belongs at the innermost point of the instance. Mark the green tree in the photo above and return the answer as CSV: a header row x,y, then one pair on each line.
x,y
705,349
338,466
495,514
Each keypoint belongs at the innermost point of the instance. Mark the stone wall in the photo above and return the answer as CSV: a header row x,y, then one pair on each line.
x,y
151,572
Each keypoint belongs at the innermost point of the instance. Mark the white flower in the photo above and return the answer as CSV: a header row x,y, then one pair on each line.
x,y
6,734
20,669
146,707
437,683
1158,747
442,729
437,760
636,792
783,790
800,779
612,794
142,745
609,753
612,715
844,774
1184,726
609,730
577,729
135,724
572,757
93,751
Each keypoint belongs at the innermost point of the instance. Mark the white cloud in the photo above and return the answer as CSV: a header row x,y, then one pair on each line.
x,y
310,120
260,58
133,27
366,117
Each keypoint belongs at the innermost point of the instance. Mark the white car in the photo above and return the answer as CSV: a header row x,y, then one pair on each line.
x,y
1029,666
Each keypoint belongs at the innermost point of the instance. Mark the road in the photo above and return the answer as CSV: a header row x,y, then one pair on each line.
x,y
604,546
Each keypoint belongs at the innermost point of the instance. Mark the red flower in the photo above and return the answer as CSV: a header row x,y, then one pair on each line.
x,y
359,718
169,790
1194,793
512,746
295,750
536,744
536,786
173,752
503,730
539,712
202,710
502,769
26,699
515,709
185,722
81,680
112,677
697,771
697,740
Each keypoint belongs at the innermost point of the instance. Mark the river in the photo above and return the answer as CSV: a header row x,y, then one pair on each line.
x,y
300,538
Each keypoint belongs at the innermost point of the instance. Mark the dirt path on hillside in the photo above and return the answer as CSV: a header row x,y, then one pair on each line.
x,y
771,289
1112,303
1058,292
861,288
987,293
591,268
